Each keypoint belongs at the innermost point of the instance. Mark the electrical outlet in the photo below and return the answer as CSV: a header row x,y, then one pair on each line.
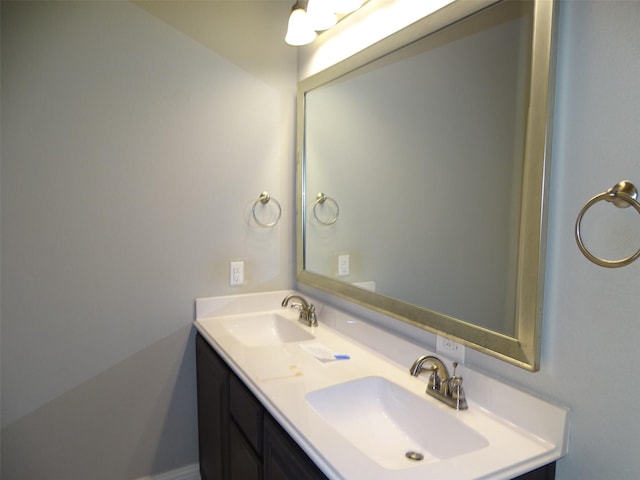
x,y
236,273
450,349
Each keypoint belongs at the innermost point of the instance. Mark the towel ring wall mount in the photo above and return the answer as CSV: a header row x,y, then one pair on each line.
x,y
263,199
321,199
623,195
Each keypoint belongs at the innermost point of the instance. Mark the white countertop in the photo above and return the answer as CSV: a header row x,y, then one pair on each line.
x,y
523,431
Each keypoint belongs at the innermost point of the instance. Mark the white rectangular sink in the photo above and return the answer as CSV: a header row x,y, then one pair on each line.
x,y
265,329
394,427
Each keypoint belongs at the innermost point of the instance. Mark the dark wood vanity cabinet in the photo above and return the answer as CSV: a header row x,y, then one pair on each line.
x,y
212,377
283,458
239,440
547,472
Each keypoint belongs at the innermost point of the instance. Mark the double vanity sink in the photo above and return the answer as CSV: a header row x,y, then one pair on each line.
x,y
343,392
384,421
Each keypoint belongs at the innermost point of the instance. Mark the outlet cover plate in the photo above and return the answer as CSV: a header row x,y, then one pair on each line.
x,y
450,349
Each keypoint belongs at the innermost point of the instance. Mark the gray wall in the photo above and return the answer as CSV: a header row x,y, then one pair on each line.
x,y
591,322
135,139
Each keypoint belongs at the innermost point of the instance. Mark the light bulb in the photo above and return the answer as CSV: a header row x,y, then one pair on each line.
x,y
321,15
299,31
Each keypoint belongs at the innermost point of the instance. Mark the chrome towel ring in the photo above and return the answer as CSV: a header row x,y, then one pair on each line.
x,y
624,194
321,199
264,199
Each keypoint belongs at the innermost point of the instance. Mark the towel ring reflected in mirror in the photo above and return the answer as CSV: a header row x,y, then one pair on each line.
x,y
263,200
623,195
321,199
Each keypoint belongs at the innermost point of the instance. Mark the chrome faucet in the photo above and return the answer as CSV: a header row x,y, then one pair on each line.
x,y
441,386
307,310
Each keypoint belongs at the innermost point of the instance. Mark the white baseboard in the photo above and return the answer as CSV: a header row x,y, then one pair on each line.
x,y
189,472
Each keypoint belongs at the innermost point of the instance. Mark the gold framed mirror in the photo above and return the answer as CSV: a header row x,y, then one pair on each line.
x,y
435,156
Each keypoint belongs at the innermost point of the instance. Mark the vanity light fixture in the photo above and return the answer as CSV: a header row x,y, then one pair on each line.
x,y
299,31
311,16
321,14
343,7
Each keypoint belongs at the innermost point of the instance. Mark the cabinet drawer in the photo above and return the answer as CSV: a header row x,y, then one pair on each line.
x,y
243,461
246,412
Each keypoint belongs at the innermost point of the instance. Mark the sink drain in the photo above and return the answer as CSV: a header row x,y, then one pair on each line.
x,y
416,456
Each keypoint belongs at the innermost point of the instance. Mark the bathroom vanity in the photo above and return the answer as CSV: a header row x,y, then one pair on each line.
x,y
470,93
280,400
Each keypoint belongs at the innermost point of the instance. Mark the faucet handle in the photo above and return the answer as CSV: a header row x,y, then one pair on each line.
x,y
435,382
456,391
455,382
455,385
311,315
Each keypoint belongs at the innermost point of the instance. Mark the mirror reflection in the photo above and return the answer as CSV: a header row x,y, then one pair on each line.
x,y
415,166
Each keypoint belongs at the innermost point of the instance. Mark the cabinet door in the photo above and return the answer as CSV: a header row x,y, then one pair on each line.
x,y
212,376
246,410
283,459
244,464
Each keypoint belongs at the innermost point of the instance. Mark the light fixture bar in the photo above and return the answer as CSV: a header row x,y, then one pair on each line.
x,y
342,7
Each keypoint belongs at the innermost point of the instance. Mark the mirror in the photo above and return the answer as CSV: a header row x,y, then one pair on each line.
x,y
422,177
